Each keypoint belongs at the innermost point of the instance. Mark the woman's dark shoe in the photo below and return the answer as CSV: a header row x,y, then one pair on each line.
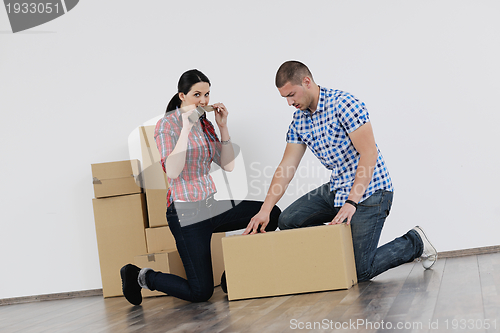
x,y
130,285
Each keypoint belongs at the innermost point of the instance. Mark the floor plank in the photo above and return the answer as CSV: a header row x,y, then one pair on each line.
x,y
317,312
489,270
368,310
246,317
279,318
460,300
414,306
42,314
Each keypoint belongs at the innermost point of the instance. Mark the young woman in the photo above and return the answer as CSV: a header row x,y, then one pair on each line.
x,y
188,145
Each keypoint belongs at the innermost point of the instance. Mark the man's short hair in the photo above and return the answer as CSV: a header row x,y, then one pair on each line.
x,y
292,71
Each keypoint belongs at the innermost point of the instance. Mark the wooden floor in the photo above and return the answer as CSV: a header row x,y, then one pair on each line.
x,y
457,295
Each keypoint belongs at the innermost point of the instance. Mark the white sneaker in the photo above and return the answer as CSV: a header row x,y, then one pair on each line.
x,y
429,254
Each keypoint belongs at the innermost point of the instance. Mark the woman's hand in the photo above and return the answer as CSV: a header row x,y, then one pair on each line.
x,y
221,114
186,112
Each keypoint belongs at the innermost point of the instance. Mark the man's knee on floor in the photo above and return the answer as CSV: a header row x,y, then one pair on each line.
x,y
363,273
363,277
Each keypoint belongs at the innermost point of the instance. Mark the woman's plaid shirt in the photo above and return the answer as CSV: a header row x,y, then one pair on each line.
x,y
194,182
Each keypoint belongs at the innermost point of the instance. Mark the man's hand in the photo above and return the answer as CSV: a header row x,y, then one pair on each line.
x,y
260,219
346,212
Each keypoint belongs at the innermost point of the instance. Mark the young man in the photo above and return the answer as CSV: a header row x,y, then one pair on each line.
x,y
336,127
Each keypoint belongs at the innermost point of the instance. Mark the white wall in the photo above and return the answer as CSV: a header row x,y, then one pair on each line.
x,y
72,90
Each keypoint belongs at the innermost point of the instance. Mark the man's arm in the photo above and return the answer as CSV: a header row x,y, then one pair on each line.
x,y
364,142
282,177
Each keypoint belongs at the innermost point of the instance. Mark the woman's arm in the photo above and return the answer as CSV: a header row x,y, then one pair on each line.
x,y
227,152
174,163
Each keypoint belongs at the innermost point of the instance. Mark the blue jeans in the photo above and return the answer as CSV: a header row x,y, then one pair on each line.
x,y
316,208
193,238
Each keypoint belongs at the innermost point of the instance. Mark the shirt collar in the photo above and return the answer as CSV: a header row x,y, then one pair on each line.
x,y
178,113
321,102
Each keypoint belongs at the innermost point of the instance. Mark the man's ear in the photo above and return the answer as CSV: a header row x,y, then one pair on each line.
x,y
306,82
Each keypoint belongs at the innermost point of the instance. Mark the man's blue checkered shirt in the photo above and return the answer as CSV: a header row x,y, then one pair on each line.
x,y
325,132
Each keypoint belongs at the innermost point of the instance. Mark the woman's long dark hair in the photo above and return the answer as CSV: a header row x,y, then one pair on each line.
x,y
187,80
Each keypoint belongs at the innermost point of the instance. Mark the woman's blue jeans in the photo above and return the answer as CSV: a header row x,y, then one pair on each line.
x,y
193,236
316,208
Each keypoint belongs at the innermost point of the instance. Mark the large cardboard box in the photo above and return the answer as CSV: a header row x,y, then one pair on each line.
x,y
166,262
120,223
116,178
289,261
154,178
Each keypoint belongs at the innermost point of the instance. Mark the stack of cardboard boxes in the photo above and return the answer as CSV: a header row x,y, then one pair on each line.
x,y
120,219
131,226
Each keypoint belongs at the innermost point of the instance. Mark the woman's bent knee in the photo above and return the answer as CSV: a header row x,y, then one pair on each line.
x,y
203,296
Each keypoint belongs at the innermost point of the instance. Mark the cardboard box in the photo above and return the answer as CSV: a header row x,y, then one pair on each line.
x,y
154,179
120,223
116,178
217,256
157,207
289,262
159,239
166,262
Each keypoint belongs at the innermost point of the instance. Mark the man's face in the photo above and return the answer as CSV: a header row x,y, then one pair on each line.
x,y
296,95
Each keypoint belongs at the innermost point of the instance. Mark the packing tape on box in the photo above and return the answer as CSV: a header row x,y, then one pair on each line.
x,y
96,180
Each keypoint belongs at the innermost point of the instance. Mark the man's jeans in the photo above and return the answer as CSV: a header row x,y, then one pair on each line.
x,y
316,207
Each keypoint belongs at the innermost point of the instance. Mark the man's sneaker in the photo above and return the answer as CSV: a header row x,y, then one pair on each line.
x,y
429,254
223,283
130,285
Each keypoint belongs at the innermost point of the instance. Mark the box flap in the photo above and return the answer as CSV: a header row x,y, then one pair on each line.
x,y
115,170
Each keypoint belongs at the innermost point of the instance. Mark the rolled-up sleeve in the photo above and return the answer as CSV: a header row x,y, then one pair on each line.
x,y
165,138
292,136
352,113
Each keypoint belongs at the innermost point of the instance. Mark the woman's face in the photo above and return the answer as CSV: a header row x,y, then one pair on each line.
x,y
198,95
